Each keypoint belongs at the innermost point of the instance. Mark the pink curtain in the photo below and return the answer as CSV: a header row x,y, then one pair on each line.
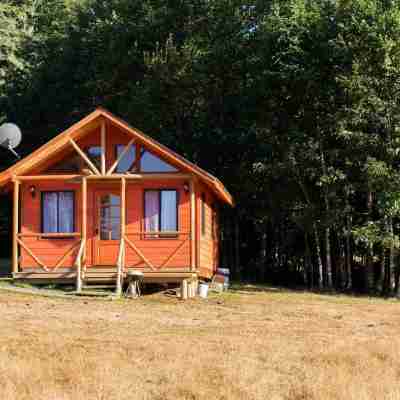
x,y
152,208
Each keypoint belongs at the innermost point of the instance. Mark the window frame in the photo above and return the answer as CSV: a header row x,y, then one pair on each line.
x,y
159,234
42,195
203,215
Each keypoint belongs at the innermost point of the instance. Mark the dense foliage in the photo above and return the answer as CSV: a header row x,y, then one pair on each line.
x,y
294,104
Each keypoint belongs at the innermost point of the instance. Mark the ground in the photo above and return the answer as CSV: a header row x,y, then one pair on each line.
x,y
251,343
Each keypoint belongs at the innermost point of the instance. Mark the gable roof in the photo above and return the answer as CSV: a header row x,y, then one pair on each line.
x,y
80,129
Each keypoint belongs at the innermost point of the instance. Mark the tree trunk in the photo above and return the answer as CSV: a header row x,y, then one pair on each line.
x,y
309,269
341,270
381,278
349,283
328,257
319,259
369,270
391,259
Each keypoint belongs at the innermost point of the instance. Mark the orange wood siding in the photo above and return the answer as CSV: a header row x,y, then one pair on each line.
x,y
208,243
49,251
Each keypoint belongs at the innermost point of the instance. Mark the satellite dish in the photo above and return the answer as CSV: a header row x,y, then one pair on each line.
x,y
10,137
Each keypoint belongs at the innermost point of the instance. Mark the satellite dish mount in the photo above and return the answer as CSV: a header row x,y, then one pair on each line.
x,y
10,137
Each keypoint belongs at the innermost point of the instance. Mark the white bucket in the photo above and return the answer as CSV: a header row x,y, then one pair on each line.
x,y
203,290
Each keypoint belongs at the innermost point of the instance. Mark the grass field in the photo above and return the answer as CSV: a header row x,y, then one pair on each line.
x,y
247,344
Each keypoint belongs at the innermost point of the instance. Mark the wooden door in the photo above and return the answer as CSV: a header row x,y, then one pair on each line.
x,y
107,229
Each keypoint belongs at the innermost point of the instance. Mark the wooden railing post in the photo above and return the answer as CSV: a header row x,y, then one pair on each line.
x,y
103,147
118,288
78,264
15,226
84,211
121,253
192,225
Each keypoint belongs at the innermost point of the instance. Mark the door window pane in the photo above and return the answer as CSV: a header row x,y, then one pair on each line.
x,y
110,217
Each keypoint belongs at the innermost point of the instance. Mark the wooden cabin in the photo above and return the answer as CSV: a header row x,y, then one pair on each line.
x,y
102,199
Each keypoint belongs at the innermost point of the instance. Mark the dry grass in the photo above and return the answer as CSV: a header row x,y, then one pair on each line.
x,y
245,345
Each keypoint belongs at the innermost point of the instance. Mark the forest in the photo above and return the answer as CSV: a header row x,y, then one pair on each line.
x,y
293,104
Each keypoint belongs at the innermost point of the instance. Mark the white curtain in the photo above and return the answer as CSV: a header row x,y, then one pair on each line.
x,y
50,212
169,210
151,201
66,212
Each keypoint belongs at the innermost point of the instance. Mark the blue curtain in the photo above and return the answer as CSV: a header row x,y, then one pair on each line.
x,y
169,210
66,212
50,212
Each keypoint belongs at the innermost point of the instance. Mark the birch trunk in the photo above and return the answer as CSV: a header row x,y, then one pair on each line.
x,y
319,259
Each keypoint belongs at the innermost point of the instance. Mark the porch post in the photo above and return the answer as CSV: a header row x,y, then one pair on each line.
x,y
83,236
192,226
121,255
15,226
84,212
103,147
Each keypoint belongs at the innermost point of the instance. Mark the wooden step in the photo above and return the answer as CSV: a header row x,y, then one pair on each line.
x,y
90,287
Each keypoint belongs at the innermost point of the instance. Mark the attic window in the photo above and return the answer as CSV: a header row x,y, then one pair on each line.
x,y
94,154
151,163
127,160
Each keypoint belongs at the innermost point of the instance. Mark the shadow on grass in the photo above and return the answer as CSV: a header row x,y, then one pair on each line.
x,y
255,288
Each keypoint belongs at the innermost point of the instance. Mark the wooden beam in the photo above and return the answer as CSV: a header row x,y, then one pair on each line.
x,y
149,176
49,177
84,157
123,207
140,254
64,257
121,253
118,287
103,147
192,225
84,214
15,226
174,253
50,235
78,265
120,157
24,246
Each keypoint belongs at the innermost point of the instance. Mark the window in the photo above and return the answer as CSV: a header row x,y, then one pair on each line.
x,y
110,217
161,210
127,161
214,222
203,214
151,163
58,212
94,154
